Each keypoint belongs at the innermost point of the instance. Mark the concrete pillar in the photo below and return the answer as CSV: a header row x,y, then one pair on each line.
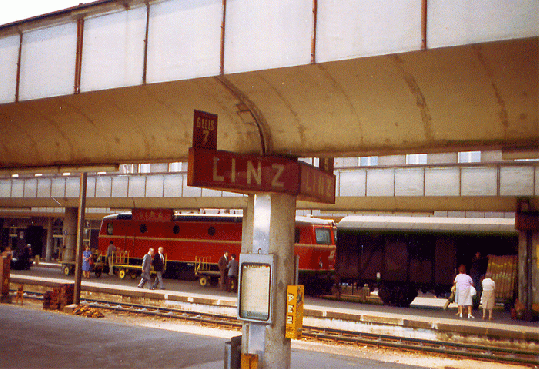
x,y
80,237
49,243
268,227
70,234
528,261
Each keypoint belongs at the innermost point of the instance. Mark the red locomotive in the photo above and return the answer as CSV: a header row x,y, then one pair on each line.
x,y
190,240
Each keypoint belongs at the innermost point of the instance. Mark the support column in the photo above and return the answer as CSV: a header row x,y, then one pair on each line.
x,y
527,224
70,234
80,237
528,261
49,243
268,228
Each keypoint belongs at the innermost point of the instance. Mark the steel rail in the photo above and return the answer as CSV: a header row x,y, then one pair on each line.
x,y
488,353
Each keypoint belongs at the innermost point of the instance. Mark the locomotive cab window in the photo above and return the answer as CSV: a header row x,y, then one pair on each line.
x,y
296,235
323,236
110,228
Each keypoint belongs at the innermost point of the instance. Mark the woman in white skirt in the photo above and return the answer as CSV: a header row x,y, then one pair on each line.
x,y
463,294
488,297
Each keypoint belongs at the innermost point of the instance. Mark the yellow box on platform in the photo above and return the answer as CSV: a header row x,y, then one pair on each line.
x,y
249,361
294,311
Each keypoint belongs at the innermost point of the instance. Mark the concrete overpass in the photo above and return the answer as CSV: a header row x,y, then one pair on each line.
x,y
117,81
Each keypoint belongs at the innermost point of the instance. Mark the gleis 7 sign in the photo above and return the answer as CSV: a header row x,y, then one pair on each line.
x,y
224,170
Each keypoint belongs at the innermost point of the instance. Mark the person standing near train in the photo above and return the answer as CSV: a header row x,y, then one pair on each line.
x,y
477,271
86,262
111,251
233,267
464,292
488,297
159,268
146,268
223,270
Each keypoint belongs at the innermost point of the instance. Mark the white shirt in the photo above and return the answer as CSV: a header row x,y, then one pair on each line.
x,y
488,284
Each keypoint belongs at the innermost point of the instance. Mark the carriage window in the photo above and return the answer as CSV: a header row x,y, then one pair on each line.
x,y
211,231
323,236
176,229
296,235
110,228
143,228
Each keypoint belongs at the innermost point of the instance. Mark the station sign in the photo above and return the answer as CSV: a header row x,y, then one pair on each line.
x,y
244,173
316,185
205,130
223,170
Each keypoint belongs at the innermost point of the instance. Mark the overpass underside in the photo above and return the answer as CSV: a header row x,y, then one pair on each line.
x,y
108,84
458,98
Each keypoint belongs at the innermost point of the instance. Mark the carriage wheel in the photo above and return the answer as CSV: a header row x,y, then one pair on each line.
x,y
121,273
67,270
203,281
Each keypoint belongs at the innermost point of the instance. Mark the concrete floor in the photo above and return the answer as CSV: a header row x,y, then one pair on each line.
x,y
33,338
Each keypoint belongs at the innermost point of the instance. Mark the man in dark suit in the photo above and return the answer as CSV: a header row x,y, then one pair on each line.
x,y
159,268
146,268
223,270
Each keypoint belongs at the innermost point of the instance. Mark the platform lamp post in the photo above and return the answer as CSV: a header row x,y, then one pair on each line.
x,y
80,237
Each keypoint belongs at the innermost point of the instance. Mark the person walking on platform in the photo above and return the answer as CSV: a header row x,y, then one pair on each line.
x,y
111,252
223,270
146,268
26,255
463,294
488,297
159,268
233,274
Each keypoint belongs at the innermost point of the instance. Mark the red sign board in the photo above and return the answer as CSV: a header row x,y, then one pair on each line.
x,y
152,215
205,130
316,184
244,173
223,170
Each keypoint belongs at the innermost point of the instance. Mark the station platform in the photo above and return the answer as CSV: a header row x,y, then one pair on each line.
x,y
425,319
31,338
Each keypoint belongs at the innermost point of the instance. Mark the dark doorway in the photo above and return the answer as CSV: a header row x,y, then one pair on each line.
x,y
34,237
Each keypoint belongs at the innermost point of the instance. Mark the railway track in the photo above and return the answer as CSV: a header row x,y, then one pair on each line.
x,y
471,351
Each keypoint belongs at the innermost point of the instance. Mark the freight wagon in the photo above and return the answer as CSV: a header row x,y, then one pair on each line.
x,y
404,255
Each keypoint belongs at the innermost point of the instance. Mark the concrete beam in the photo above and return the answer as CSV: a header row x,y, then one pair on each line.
x,y
342,204
419,204
456,98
